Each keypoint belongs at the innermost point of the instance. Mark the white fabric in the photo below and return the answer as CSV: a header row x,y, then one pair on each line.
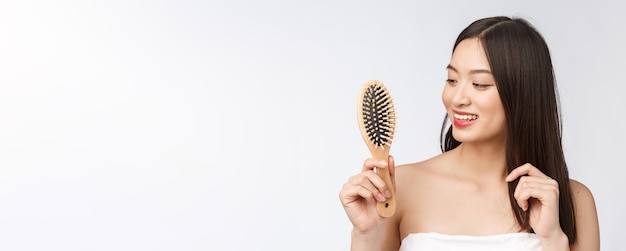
x,y
442,242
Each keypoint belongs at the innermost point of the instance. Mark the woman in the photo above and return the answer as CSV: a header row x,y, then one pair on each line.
x,y
501,182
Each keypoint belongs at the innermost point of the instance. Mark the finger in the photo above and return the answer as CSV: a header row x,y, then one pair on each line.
x,y
526,169
392,169
376,180
372,163
375,184
545,196
372,182
534,182
522,196
534,179
353,193
524,191
525,187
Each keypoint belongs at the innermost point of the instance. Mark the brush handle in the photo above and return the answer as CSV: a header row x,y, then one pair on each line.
x,y
377,122
386,208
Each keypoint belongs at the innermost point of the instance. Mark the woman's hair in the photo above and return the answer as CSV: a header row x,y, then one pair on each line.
x,y
521,66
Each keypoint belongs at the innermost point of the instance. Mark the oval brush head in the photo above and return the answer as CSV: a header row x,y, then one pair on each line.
x,y
377,121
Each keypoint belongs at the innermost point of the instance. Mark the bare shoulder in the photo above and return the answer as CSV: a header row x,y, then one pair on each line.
x,y
587,227
580,192
412,171
417,176
410,167
582,197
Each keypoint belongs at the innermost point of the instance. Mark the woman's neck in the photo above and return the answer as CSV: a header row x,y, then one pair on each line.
x,y
482,161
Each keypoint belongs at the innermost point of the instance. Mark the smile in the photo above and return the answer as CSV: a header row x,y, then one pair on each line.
x,y
466,117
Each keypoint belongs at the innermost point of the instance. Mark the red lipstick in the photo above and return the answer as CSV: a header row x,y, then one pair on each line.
x,y
463,119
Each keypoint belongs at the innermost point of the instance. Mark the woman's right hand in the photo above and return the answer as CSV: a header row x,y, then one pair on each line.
x,y
361,193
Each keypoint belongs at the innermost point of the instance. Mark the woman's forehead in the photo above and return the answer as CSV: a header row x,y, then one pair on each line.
x,y
469,55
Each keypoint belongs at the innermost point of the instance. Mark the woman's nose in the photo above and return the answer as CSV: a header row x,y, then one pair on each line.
x,y
461,96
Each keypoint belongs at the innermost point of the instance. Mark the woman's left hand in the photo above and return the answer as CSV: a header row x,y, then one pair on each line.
x,y
539,193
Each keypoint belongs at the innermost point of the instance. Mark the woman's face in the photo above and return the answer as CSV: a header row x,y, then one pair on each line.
x,y
471,97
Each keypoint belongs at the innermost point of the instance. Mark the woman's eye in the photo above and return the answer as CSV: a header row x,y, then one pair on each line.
x,y
480,86
451,81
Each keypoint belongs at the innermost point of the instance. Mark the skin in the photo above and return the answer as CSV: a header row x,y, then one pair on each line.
x,y
464,191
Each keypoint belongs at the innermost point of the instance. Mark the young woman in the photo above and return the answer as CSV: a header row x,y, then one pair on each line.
x,y
501,182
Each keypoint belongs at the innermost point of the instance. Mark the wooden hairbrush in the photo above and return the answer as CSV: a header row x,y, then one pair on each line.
x,y
377,121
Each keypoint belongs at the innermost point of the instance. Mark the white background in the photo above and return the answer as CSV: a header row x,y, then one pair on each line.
x,y
231,125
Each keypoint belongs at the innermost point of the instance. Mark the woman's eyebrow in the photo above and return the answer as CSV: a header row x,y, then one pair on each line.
x,y
475,71
480,71
450,67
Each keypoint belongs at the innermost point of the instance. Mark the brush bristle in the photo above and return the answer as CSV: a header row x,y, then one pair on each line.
x,y
379,115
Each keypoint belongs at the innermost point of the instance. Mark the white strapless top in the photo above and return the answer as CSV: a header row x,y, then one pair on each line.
x,y
442,242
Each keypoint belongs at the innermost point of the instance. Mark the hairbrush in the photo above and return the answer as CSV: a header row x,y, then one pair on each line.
x,y
377,121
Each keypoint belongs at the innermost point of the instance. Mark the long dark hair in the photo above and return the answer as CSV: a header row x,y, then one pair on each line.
x,y
521,66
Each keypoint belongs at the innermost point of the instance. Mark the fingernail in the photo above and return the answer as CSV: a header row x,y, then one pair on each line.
x,y
380,197
387,194
383,163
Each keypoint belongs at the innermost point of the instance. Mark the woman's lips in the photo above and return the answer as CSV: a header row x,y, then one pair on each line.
x,y
463,119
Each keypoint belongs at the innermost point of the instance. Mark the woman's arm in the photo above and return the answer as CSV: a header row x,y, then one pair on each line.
x,y
358,197
587,227
387,238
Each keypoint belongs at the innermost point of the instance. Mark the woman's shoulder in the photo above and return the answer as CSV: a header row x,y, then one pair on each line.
x,y
581,196
422,167
431,164
425,170
587,227
579,189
